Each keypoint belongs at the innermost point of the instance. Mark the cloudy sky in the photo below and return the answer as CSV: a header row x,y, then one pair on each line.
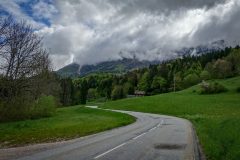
x,y
91,31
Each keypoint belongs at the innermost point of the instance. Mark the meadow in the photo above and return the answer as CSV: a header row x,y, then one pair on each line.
x,y
216,117
66,123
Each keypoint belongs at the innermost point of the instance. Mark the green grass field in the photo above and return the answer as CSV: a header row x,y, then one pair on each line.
x,y
215,117
70,122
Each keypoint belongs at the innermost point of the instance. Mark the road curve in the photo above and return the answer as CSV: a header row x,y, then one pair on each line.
x,y
151,137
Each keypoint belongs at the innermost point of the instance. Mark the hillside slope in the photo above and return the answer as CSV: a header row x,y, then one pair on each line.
x,y
71,70
117,66
216,117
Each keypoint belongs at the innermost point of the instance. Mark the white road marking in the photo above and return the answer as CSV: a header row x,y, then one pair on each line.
x,y
152,129
109,151
159,125
139,136
162,121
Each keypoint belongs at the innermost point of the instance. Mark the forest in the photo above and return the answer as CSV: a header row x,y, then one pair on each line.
x,y
168,76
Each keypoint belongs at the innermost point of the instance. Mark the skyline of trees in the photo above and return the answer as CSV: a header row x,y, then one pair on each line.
x,y
172,75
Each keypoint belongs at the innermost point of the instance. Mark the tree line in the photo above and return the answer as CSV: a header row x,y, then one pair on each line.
x,y
171,75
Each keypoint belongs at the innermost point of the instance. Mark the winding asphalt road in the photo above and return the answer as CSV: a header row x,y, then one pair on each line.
x,y
151,137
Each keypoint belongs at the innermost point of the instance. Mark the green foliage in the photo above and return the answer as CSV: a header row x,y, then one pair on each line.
x,y
132,78
175,74
76,96
194,68
22,104
222,69
45,106
105,87
159,84
118,93
191,80
66,96
83,92
145,82
212,88
16,109
21,108
128,88
205,75
238,89
179,84
234,59
92,94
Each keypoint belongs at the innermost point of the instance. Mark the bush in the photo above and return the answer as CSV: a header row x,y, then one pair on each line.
x,y
191,80
205,75
128,88
238,89
16,109
222,69
45,106
118,93
212,88
92,94
20,108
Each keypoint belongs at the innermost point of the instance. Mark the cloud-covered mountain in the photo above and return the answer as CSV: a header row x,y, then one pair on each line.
x,y
127,64
201,49
116,66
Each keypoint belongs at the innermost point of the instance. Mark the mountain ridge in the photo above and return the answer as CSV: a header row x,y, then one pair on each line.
x,y
126,64
114,66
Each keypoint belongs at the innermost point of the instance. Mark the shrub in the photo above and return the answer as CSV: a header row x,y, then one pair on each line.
x,y
222,69
238,89
191,80
92,94
211,88
20,108
118,93
16,109
205,75
128,88
45,106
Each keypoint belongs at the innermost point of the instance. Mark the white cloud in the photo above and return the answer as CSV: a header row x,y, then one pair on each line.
x,y
44,10
13,8
91,31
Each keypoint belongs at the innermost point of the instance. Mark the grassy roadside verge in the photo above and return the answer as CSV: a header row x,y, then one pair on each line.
x,y
215,117
67,123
